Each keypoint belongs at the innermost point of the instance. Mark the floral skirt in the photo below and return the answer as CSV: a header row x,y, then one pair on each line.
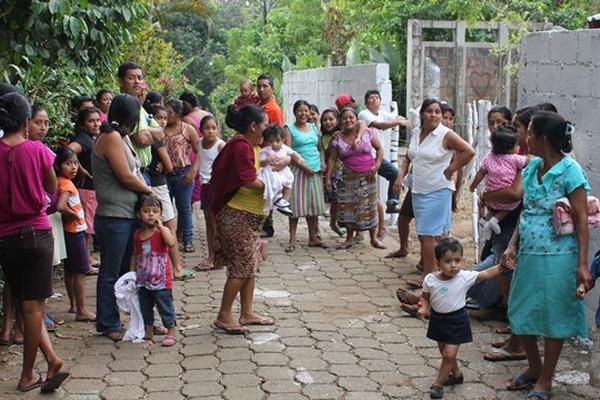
x,y
357,200
237,241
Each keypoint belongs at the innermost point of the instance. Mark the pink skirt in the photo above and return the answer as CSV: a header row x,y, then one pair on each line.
x,y
89,204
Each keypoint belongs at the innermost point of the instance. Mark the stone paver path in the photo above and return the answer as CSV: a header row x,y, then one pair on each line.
x,y
339,335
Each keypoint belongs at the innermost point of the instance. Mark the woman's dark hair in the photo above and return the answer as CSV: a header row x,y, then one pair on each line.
x,y
123,115
14,112
336,114
370,92
148,200
6,88
176,105
506,114
272,131
63,154
545,107
151,99
156,108
344,110
557,131
85,113
189,98
36,108
240,120
447,244
426,103
504,140
448,108
207,118
300,103
523,115
313,107
77,101
101,93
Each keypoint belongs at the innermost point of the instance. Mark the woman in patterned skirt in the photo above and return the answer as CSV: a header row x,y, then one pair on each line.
x,y
357,189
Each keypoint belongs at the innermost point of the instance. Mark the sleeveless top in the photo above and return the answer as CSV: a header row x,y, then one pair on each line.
x,y
113,199
429,160
207,157
357,157
179,147
306,144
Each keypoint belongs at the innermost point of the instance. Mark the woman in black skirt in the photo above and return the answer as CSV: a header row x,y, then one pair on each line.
x,y
444,299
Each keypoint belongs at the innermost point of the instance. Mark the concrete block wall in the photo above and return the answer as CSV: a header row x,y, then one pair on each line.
x,y
563,67
322,85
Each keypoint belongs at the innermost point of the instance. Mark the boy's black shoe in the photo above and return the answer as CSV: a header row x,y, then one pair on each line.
x,y
436,392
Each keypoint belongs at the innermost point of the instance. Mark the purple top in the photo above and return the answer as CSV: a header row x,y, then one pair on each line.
x,y
23,200
357,157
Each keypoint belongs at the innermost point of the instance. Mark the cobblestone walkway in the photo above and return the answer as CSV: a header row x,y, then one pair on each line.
x,y
339,335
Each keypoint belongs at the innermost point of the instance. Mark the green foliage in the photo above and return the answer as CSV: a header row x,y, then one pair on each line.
x,y
56,49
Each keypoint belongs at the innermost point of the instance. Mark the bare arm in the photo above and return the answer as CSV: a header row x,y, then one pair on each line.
x,y
477,180
76,147
62,206
579,211
404,166
299,161
383,125
50,182
167,235
165,160
132,263
142,138
287,137
379,153
333,157
112,151
492,272
463,152
256,185
424,305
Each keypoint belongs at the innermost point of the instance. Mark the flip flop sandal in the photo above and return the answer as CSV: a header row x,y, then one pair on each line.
x,y
318,244
34,385
523,381
230,330
187,274
499,355
406,297
54,317
114,336
290,248
52,384
51,326
504,331
500,344
538,395
263,321
414,284
159,330
189,248
410,309
85,319
396,254
169,341
338,230
453,380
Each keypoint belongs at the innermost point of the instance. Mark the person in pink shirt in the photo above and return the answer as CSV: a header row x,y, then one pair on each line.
x,y
357,191
103,100
26,242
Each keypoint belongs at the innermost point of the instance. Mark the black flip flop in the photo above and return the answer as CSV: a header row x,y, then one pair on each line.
x,y
34,385
235,330
52,384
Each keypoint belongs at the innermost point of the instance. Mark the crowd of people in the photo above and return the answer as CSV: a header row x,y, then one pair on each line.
x,y
125,181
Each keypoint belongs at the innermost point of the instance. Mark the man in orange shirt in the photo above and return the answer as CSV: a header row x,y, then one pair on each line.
x,y
266,94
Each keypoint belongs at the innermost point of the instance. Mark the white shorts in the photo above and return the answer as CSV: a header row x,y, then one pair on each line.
x,y
162,192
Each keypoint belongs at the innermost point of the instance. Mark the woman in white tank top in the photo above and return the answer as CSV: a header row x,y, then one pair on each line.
x,y
431,154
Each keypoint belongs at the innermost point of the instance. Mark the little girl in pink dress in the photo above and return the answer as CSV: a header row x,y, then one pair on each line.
x,y
499,168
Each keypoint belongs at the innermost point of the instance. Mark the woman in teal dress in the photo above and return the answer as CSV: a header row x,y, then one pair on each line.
x,y
549,268
307,190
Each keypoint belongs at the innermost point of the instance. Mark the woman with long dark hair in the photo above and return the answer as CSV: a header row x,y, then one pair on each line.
x,y
117,182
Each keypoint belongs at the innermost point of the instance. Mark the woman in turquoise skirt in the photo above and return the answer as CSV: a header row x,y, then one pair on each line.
x,y
542,299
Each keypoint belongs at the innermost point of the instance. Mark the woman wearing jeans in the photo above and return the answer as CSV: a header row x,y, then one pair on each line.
x,y
180,138
26,243
118,183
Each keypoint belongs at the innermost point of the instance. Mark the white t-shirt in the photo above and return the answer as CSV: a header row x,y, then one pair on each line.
x,y
369,117
451,295
268,152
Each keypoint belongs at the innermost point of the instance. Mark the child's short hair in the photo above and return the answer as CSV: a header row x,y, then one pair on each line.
x,y
272,131
447,108
246,82
504,140
63,153
156,108
506,114
447,244
148,200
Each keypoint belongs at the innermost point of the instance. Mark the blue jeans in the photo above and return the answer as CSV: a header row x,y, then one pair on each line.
x,y
115,236
390,173
163,299
183,202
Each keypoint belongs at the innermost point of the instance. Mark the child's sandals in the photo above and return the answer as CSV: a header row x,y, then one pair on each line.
x,y
169,341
